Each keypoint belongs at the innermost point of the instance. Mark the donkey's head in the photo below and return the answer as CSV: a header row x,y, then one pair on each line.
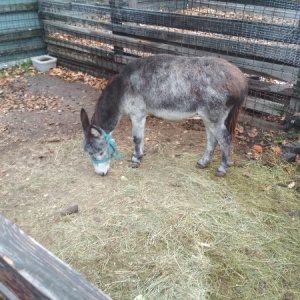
x,y
97,144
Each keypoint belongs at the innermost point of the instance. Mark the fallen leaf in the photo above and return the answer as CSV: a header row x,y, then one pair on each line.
x,y
239,128
258,148
252,134
247,174
277,150
266,188
288,171
291,185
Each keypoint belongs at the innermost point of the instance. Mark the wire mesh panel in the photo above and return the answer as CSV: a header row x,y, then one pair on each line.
x,y
260,37
20,31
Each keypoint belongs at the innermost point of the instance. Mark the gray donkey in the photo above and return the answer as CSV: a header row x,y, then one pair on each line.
x,y
168,87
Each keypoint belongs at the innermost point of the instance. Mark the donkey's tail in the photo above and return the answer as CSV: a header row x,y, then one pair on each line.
x,y
233,115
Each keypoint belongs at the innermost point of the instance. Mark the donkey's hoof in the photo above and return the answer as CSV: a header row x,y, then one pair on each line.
x,y
134,164
220,173
200,166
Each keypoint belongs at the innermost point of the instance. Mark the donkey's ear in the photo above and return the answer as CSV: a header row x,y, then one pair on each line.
x,y
84,119
95,132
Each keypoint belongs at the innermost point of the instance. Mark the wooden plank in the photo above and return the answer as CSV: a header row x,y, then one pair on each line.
x,y
20,34
259,122
100,52
281,72
84,58
11,60
247,9
29,271
20,46
273,88
166,5
16,7
285,4
264,106
73,19
92,70
15,285
16,21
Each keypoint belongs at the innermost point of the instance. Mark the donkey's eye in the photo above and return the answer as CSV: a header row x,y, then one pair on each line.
x,y
101,153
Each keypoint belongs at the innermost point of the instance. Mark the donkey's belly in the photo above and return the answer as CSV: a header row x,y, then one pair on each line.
x,y
171,115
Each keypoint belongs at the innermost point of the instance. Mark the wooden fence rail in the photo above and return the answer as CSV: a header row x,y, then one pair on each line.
x,y
29,271
124,30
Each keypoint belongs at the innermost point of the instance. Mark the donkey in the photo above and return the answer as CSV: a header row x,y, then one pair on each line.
x,y
169,87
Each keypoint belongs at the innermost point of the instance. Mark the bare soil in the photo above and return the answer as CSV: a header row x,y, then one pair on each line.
x,y
29,126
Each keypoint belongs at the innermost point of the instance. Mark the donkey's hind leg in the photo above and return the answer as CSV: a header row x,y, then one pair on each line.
x,y
211,143
216,133
224,139
138,128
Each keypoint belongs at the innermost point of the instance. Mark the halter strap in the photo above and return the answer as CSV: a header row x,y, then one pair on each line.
x,y
112,149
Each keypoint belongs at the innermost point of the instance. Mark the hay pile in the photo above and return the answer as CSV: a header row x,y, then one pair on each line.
x,y
164,231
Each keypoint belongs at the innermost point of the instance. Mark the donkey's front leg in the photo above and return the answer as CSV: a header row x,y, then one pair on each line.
x,y
138,128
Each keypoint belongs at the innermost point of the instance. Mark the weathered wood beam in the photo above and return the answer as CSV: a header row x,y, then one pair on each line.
x,y
100,52
17,7
29,271
20,34
21,46
89,59
264,106
285,4
48,16
92,70
243,7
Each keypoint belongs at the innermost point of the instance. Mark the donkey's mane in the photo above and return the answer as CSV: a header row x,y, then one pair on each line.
x,y
106,111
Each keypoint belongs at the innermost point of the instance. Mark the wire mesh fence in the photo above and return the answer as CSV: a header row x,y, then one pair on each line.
x,y
21,34
261,37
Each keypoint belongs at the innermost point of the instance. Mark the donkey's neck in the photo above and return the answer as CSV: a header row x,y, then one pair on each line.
x,y
108,108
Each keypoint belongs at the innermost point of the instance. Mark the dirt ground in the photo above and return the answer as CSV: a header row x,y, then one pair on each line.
x,y
158,231
32,125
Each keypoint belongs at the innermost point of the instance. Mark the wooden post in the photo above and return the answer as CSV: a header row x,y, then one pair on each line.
x,y
29,271
116,19
295,101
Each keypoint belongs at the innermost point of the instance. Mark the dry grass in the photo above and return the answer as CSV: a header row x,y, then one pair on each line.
x,y
164,231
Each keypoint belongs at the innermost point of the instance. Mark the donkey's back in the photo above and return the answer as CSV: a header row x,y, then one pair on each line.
x,y
176,87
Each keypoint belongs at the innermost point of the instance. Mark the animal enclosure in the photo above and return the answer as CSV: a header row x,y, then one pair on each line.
x,y
260,37
100,37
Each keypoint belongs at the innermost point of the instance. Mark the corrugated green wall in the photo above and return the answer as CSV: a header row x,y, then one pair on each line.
x,y
21,33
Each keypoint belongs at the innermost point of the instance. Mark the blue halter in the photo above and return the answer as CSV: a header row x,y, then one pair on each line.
x,y
112,149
